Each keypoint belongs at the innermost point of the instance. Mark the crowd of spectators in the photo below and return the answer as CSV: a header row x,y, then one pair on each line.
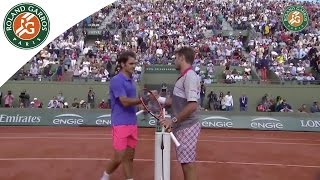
x,y
24,100
275,48
279,104
63,53
95,20
154,29
209,101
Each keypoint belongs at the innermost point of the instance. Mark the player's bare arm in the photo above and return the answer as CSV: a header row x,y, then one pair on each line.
x,y
125,101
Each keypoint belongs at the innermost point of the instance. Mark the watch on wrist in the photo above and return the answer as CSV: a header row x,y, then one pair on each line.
x,y
174,120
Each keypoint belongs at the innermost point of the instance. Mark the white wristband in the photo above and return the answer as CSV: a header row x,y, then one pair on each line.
x,y
162,100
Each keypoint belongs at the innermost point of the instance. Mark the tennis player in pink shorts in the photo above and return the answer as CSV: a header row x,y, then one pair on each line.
x,y
123,117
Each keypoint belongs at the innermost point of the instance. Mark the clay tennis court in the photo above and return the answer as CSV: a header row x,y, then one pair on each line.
x,y
80,153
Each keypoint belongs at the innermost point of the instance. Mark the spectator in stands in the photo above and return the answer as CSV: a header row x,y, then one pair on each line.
x,y
75,103
65,105
36,103
243,100
54,103
284,107
207,80
47,71
60,98
103,105
73,58
91,99
67,62
24,98
229,77
315,108
83,104
84,75
303,109
310,77
264,66
21,105
301,69
59,72
210,69
102,75
266,105
278,102
228,101
238,77
138,71
8,99
34,71
32,105
212,101
202,94
221,100
76,72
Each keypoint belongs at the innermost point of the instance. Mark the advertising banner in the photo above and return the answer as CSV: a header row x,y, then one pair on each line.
x,y
161,69
77,117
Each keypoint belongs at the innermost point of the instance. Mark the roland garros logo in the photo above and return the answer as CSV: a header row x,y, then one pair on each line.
x,y
26,26
295,18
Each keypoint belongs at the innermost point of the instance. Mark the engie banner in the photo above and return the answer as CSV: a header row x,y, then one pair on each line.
x,y
83,117
27,27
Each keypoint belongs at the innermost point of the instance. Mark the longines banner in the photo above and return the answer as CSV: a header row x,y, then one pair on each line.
x,y
53,117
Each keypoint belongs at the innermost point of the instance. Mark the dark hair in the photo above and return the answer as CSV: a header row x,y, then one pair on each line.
x,y
187,52
124,57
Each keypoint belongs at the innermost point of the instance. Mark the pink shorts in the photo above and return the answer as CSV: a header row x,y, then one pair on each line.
x,y
124,136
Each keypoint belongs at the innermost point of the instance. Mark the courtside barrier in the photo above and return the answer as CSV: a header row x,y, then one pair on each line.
x,y
223,120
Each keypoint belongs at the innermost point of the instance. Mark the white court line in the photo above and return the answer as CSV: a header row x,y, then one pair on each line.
x,y
143,135
151,160
62,134
95,128
152,139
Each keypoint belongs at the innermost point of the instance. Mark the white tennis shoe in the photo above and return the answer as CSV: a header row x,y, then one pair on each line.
x,y
105,176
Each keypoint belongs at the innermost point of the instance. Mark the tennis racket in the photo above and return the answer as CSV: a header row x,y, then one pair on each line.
x,y
154,108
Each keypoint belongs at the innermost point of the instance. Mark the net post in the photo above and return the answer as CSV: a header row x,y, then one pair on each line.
x,y
159,136
157,157
167,152
167,156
